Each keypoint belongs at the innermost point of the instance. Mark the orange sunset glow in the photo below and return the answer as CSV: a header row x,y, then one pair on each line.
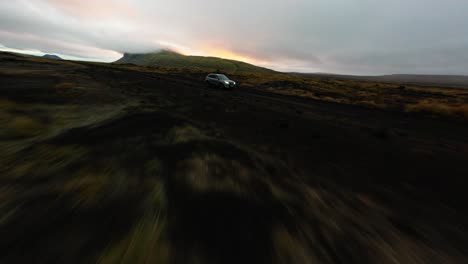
x,y
226,54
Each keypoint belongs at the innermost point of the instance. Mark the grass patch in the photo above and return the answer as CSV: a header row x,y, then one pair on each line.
x,y
147,241
20,126
144,244
64,85
372,104
430,106
184,134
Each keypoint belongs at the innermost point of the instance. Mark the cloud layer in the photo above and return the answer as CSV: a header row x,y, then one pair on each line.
x,y
343,36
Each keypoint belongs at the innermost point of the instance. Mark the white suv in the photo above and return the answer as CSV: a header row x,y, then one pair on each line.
x,y
220,81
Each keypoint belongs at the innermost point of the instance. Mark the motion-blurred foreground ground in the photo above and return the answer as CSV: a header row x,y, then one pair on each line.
x,y
120,164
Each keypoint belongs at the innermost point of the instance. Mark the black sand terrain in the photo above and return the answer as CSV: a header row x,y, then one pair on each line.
x,y
111,164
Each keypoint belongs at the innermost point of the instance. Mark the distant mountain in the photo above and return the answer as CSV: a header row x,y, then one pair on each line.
x,y
167,58
460,81
51,57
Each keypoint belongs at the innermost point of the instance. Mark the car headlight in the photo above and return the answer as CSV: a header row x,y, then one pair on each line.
x,y
226,82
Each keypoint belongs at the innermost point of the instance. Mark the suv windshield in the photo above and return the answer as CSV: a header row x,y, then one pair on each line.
x,y
223,77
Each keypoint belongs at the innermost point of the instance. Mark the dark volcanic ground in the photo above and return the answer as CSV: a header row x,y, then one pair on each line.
x,y
106,164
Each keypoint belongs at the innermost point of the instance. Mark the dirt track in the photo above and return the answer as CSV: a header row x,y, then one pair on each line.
x,y
370,144
241,176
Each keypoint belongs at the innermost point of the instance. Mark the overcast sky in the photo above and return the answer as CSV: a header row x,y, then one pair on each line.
x,y
339,36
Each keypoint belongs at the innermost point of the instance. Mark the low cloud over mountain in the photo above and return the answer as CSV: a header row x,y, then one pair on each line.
x,y
358,37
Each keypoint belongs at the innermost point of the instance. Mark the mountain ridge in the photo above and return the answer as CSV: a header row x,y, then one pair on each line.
x,y
51,57
168,58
